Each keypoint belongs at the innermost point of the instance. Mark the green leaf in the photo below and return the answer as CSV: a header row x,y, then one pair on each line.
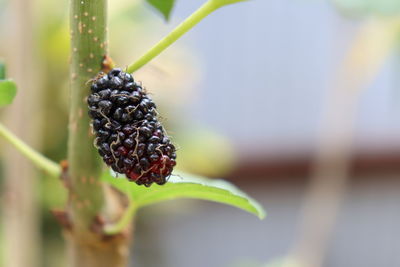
x,y
189,186
369,7
163,6
8,90
2,70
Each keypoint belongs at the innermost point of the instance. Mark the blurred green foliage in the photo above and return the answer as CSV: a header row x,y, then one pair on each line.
x,y
368,7
204,151
8,90
2,70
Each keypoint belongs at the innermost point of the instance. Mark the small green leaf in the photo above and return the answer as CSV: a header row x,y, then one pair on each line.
x,y
189,186
8,90
163,6
2,70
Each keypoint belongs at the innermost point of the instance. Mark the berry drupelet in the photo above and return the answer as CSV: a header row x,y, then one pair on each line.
x,y
129,136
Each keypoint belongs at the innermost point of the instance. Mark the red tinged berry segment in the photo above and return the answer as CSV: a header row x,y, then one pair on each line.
x,y
129,137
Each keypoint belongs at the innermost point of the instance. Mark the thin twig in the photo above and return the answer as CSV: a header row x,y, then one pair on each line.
x,y
38,159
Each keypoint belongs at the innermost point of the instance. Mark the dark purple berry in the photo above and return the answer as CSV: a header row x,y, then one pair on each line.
x,y
129,86
117,114
101,83
114,72
128,163
127,129
135,97
122,100
103,134
154,157
116,82
94,88
138,115
93,99
96,124
129,143
105,106
154,139
104,94
126,77
144,163
145,131
151,148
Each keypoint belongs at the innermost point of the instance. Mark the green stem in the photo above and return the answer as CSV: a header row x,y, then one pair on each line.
x,y
123,223
88,202
88,46
180,30
38,159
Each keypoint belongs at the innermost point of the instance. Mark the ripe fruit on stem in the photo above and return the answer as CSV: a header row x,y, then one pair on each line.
x,y
129,137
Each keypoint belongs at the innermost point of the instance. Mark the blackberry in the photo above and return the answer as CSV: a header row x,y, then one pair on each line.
x,y
129,137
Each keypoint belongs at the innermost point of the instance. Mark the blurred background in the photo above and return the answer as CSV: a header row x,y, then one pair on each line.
x,y
294,101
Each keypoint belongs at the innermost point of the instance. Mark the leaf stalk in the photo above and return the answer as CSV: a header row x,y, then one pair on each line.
x,y
123,222
191,21
38,159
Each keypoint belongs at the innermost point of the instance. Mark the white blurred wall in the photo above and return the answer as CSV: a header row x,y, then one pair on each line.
x,y
267,65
